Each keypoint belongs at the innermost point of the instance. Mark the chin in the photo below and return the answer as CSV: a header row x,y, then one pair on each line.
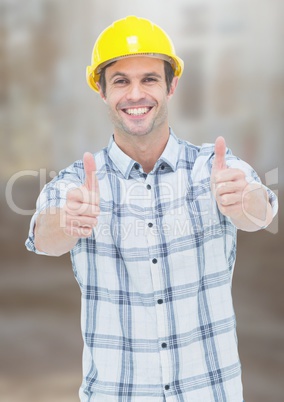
x,y
138,132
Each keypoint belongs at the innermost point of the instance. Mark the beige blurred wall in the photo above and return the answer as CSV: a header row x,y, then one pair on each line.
x,y
233,82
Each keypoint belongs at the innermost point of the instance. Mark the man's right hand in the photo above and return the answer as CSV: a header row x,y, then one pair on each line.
x,y
57,230
79,215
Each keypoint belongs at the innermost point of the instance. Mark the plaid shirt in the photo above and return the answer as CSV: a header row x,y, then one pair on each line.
x,y
157,316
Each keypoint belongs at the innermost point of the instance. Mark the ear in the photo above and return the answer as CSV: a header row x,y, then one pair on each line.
x,y
173,87
101,93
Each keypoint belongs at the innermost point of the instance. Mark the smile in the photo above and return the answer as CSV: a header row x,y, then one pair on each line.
x,y
137,111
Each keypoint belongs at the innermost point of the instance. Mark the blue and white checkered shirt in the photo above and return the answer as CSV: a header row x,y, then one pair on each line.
x,y
157,316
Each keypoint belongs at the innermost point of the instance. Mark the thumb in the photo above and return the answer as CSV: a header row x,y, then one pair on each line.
x,y
91,180
219,162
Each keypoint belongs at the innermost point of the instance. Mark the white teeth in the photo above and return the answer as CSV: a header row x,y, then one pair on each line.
x,y
137,112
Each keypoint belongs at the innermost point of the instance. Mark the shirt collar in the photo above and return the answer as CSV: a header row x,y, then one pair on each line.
x,y
171,153
125,164
122,161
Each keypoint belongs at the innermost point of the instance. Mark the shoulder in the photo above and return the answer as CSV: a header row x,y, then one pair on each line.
x,y
197,152
199,158
76,169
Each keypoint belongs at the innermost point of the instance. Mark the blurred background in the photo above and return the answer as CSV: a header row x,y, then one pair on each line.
x,y
233,85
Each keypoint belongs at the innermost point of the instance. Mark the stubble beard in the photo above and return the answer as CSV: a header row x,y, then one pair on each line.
x,y
137,128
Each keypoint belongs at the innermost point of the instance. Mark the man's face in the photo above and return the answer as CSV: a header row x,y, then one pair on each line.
x,y
136,95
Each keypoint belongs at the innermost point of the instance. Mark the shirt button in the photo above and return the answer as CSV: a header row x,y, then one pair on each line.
x,y
167,387
164,345
162,167
160,301
154,261
148,187
136,166
150,224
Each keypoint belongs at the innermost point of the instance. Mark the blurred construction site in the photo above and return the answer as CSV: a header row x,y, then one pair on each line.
x,y
233,85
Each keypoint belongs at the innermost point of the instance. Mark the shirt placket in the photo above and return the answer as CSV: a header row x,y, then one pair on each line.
x,y
156,263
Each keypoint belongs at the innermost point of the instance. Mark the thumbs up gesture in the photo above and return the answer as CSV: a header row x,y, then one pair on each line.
x,y
247,204
82,205
228,184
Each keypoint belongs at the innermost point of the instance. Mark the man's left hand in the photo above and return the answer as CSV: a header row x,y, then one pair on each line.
x,y
245,203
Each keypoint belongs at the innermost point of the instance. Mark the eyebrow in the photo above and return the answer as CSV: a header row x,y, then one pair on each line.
x,y
121,74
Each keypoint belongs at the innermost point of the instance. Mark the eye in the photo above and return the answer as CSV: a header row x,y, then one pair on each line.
x,y
150,79
120,81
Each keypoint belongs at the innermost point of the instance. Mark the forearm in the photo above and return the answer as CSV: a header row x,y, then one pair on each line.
x,y
256,211
50,236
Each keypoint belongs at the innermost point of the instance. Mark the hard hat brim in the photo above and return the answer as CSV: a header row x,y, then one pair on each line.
x,y
93,72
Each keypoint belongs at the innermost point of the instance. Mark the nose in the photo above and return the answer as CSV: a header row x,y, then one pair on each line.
x,y
135,92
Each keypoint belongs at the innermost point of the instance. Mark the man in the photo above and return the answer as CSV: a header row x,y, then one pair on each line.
x,y
150,222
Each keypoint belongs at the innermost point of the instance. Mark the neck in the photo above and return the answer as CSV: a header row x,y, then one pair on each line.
x,y
145,149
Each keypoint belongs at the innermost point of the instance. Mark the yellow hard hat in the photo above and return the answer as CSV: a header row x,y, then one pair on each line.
x,y
127,37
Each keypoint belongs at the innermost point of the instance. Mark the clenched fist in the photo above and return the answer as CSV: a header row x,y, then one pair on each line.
x,y
82,205
245,203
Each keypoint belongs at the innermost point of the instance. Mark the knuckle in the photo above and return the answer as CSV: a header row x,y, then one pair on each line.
x,y
72,194
86,231
241,174
96,210
69,195
217,177
224,200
